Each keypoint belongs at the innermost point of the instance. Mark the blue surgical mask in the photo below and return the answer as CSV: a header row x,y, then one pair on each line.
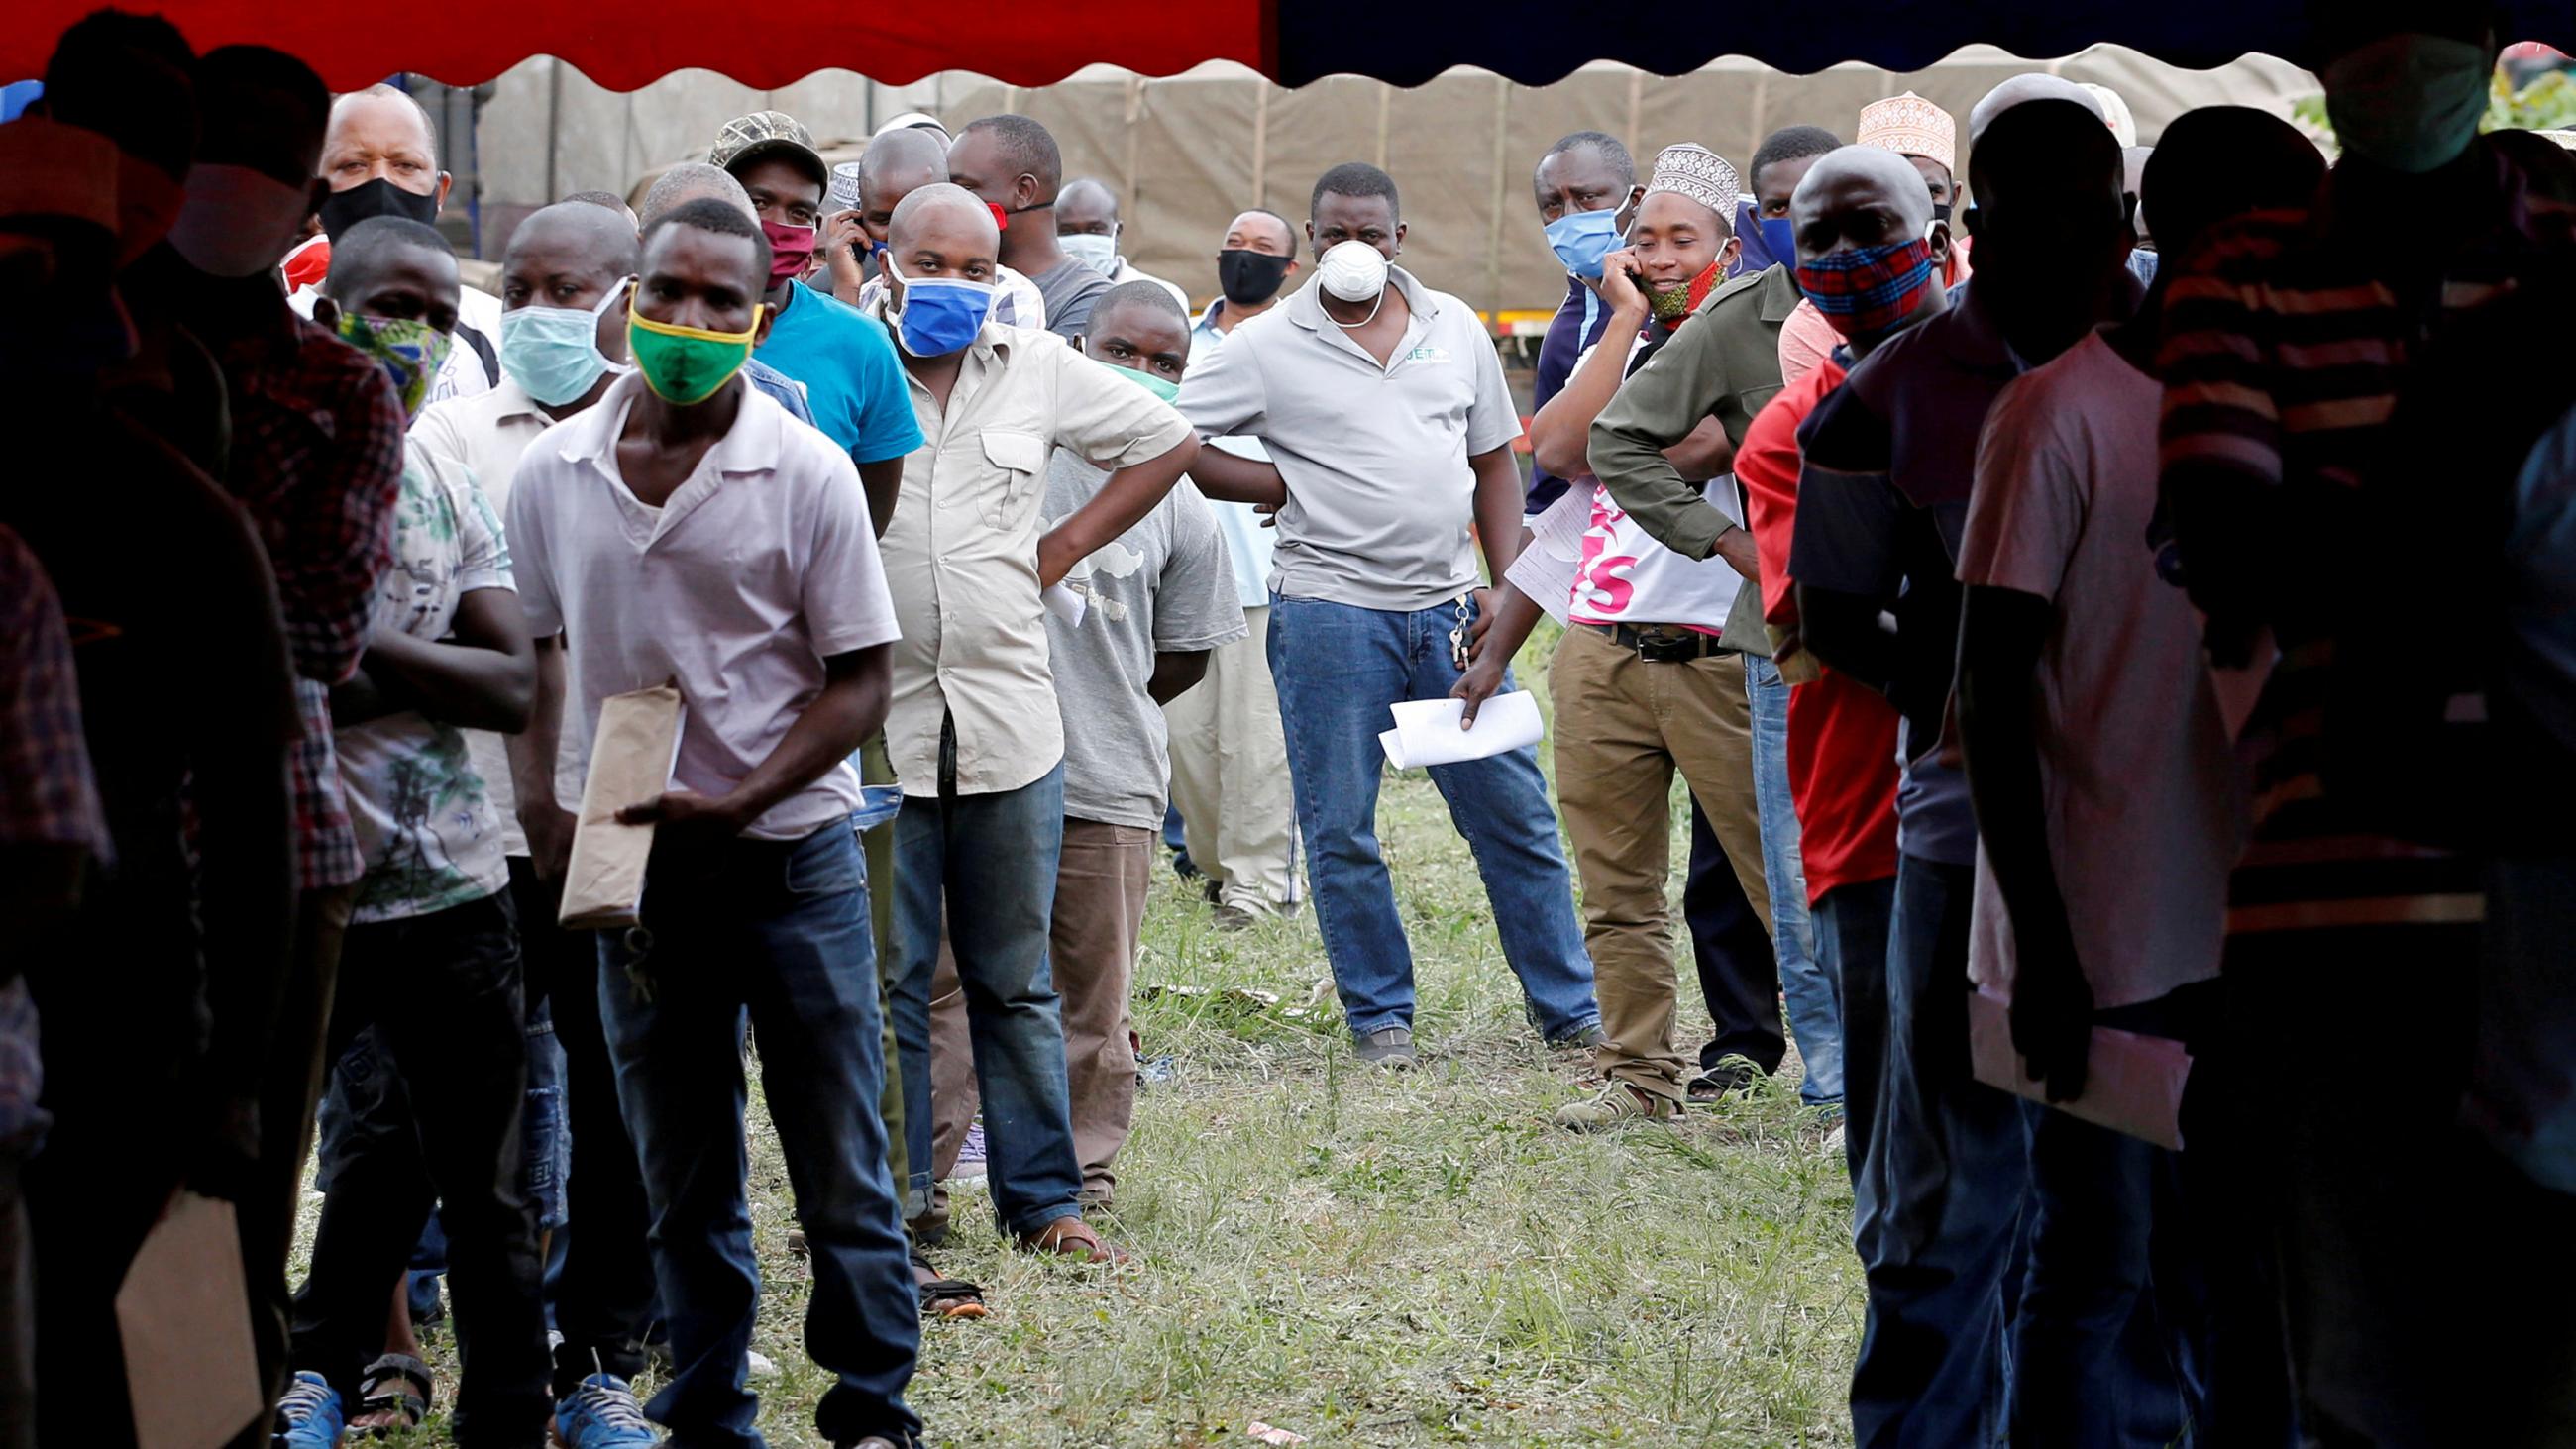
x,y
1780,239
940,315
1581,239
552,353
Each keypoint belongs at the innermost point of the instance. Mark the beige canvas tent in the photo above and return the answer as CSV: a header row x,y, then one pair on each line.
x,y
1188,152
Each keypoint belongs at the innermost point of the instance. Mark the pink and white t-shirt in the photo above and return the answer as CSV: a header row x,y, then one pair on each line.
x,y
1626,577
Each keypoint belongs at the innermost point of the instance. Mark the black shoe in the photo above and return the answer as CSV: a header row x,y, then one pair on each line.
x,y
1729,1076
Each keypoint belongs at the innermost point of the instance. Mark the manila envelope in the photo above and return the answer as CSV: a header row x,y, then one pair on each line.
x,y
630,763
184,1308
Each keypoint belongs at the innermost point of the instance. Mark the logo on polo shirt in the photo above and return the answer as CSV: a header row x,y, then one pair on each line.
x,y
1428,353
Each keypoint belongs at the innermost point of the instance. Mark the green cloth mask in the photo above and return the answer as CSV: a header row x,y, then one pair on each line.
x,y
687,365
1159,387
409,350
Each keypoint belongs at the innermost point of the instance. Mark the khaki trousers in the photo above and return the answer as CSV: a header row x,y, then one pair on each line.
x,y
1622,727
1101,884
1230,776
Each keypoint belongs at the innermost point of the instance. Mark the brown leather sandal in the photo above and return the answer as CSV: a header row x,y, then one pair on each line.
x,y
1073,1237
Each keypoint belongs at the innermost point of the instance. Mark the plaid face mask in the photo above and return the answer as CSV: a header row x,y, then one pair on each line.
x,y
409,350
1867,290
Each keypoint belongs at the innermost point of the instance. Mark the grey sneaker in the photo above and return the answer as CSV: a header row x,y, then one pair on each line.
x,y
1617,1106
1580,1041
1390,1047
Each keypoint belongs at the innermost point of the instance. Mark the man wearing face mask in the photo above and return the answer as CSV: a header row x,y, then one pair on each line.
x,y
1087,226
380,158
975,728
152,1069
1159,599
1586,187
842,357
1375,598
900,161
1927,137
1013,164
1229,756
2078,665
1883,494
2292,349
1841,745
755,902
431,960
131,78
1688,405
1650,690
564,283
316,455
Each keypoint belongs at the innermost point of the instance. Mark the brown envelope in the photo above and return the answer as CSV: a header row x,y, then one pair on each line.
x,y
185,1310
630,763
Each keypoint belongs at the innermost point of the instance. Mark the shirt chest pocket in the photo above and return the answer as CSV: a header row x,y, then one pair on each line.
x,y
1017,461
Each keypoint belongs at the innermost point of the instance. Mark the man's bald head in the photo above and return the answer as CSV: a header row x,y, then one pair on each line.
x,y
895,165
382,134
579,230
693,181
1086,205
942,205
1857,179
2033,86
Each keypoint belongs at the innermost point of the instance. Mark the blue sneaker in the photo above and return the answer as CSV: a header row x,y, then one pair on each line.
x,y
602,1414
309,1416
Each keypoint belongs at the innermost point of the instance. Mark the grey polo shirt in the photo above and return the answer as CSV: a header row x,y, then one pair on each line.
x,y
1380,497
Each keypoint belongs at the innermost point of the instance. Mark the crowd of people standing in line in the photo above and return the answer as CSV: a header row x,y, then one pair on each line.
x,y
2013,565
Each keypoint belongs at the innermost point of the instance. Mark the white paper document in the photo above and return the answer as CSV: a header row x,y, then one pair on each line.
x,y
2132,1084
1066,603
1427,731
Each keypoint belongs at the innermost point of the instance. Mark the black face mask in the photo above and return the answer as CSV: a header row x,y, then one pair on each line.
x,y
1940,211
1249,278
342,210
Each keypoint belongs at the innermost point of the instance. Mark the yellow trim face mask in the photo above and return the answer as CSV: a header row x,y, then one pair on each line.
x,y
687,365
409,350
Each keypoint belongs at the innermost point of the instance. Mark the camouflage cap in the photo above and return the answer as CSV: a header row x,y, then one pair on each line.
x,y
746,139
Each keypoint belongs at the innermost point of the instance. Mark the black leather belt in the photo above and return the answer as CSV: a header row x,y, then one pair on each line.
x,y
1664,646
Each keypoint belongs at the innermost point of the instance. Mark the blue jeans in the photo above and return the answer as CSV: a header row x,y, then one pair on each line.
x,y
1851,940
2110,1342
1815,1017
777,930
1338,668
1934,1370
993,859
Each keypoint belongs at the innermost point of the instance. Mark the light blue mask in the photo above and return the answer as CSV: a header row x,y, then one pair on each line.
x,y
552,353
1581,239
1161,387
2411,103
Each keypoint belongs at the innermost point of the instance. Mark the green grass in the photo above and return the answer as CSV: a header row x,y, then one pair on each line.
x,y
1369,1259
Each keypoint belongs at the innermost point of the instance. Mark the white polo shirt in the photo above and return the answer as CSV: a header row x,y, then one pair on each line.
x,y
487,432
756,569
1380,497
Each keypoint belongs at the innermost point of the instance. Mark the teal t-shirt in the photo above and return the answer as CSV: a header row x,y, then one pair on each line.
x,y
853,381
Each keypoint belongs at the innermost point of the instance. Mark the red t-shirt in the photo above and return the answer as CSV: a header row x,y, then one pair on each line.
x,y
1842,734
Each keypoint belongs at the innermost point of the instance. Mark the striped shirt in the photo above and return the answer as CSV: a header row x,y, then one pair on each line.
x,y
2286,352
